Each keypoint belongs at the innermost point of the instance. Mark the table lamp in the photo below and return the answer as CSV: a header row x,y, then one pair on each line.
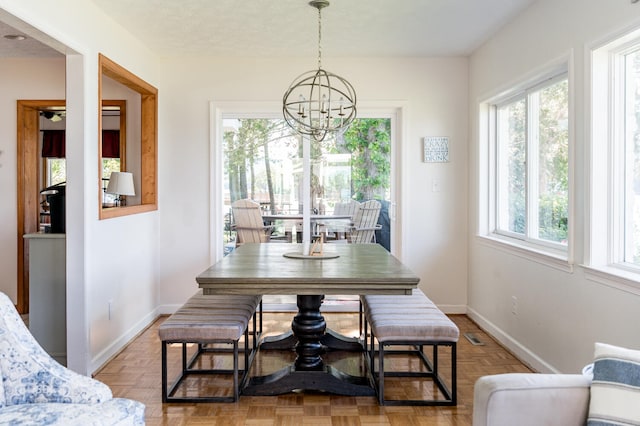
x,y
121,183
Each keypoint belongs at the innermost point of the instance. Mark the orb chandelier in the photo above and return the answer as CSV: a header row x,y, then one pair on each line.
x,y
319,102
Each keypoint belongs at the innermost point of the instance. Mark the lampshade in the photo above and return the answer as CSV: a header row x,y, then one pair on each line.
x,y
121,183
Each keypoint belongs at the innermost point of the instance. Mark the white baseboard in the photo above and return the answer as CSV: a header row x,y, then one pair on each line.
x,y
520,351
117,345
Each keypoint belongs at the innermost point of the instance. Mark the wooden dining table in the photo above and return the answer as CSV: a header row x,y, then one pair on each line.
x,y
345,269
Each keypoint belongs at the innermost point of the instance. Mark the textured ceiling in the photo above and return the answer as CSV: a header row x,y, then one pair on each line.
x,y
27,48
280,28
289,27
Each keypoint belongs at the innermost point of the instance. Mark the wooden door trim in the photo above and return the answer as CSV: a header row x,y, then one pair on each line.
x,y
28,208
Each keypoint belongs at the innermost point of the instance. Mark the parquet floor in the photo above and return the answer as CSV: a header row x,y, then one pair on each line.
x,y
135,373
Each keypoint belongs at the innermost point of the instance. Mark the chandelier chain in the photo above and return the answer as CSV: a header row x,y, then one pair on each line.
x,y
319,37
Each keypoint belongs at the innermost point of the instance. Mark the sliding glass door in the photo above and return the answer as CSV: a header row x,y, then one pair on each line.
x,y
262,161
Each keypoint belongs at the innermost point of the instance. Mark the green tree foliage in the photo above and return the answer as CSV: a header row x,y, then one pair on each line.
x,y
58,170
244,147
516,151
549,115
369,142
248,143
110,165
553,178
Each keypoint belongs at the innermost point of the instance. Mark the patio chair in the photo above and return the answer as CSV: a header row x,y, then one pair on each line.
x,y
338,229
248,223
365,223
350,208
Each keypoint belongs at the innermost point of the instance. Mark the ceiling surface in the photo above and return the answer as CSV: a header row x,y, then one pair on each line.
x,y
27,48
281,28
290,27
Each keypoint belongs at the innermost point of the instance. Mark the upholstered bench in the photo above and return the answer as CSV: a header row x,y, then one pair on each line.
x,y
414,322
200,300
208,321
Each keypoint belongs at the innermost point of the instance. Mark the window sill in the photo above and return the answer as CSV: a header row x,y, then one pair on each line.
x,y
111,212
556,260
617,278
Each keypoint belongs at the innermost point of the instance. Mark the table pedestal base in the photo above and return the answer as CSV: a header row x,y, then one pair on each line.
x,y
309,372
331,340
328,380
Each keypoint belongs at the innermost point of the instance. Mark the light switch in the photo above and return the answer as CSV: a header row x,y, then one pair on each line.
x,y
435,185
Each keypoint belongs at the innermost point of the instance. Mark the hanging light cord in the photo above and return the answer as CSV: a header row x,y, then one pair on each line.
x,y
319,37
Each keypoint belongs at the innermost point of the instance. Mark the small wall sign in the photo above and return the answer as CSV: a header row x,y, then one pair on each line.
x,y
436,149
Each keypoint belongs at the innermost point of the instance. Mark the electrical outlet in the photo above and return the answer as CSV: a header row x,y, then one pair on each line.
x,y
110,309
514,305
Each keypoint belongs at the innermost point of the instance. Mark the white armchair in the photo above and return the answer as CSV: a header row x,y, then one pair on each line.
x,y
531,400
37,390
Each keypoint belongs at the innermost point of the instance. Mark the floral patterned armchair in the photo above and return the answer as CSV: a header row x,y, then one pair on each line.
x,y
37,390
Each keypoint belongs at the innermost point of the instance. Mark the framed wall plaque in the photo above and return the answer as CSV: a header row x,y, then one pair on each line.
x,y
436,149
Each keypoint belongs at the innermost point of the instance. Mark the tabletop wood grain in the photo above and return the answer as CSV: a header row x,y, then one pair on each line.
x,y
263,269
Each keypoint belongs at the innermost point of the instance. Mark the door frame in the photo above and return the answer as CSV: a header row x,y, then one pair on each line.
x,y
28,133
395,110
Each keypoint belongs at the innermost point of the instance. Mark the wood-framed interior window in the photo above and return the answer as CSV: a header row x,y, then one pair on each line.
x,y
148,140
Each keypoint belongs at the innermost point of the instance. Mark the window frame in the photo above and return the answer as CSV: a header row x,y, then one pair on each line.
x,y
148,139
531,160
621,132
47,178
553,254
605,261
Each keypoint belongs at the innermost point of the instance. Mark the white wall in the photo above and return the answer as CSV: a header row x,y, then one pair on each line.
x,y
560,314
19,79
149,261
111,260
435,94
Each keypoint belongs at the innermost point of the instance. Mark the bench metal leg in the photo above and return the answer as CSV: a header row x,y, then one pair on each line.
x,y
361,318
167,392
164,372
187,364
381,373
257,326
450,395
236,392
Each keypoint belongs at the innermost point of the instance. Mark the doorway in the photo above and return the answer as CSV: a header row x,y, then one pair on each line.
x,y
259,158
29,184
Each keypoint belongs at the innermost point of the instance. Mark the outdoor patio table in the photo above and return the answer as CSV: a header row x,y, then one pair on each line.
x,y
319,222
346,269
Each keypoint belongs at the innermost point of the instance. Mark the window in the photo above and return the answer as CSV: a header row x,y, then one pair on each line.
x,y
56,171
143,148
630,98
614,251
528,138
